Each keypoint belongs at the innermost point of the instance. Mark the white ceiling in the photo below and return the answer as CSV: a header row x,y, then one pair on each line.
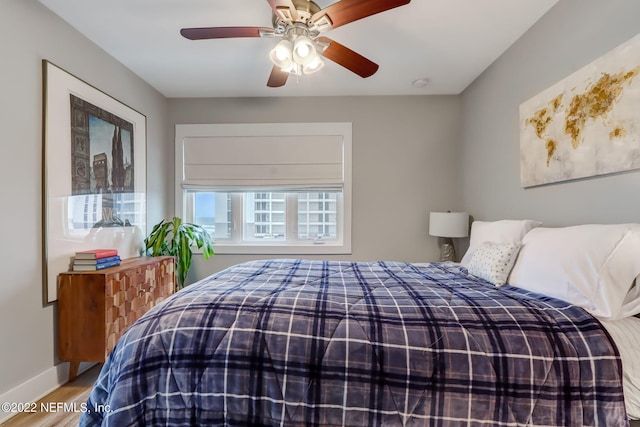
x,y
450,42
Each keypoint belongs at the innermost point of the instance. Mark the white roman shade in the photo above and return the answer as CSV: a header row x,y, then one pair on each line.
x,y
263,156
255,162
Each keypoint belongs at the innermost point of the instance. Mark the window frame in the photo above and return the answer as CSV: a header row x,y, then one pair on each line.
x,y
340,246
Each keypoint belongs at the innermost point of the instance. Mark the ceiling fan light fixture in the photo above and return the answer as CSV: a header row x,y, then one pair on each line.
x,y
313,66
297,54
282,55
304,52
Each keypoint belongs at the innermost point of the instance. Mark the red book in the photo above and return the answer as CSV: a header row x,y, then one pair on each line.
x,y
96,253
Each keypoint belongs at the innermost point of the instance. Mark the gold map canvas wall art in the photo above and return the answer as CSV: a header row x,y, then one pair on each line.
x,y
585,125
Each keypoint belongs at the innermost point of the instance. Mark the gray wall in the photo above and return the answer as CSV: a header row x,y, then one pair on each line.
x,y
403,151
568,37
28,34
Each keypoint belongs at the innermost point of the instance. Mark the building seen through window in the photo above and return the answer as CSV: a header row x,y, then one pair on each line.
x,y
266,216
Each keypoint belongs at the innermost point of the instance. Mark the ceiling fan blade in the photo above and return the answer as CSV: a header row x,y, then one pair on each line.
x,y
277,78
284,9
349,59
346,11
223,32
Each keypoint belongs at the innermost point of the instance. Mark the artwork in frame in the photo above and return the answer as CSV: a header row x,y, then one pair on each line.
x,y
585,125
94,174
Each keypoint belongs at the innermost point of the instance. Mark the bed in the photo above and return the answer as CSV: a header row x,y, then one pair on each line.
x,y
293,342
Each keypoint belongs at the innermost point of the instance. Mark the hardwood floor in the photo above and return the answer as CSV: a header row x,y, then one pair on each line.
x,y
50,412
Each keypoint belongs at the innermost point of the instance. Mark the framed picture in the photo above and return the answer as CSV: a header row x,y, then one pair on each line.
x,y
94,161
585,125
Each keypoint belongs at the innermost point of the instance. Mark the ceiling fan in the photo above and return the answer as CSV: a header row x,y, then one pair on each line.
x,y
299,23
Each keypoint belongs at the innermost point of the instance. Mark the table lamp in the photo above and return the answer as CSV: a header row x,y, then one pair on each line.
x,y
448,225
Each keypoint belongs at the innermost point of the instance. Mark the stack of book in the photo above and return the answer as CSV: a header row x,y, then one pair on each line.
x,y
95,259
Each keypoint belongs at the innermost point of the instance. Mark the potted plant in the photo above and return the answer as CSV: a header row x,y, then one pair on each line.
x,y
176,238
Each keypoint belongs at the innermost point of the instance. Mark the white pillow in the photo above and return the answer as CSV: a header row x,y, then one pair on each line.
x,y
593,266
503,231
493,261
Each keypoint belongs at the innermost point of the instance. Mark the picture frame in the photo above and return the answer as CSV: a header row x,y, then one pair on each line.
x,y
585,125
94,174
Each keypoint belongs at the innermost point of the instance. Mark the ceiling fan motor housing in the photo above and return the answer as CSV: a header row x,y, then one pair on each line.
x,y
283,18
306,9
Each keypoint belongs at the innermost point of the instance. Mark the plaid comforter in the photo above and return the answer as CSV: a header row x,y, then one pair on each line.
x,y
313,343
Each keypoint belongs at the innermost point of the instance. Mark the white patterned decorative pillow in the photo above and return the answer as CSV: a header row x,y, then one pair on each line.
x,y
502,231
493,261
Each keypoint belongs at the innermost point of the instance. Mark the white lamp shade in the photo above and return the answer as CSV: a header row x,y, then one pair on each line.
x,y
314,66
303,51
449,224
282,55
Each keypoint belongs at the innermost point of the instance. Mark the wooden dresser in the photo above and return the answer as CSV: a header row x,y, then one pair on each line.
x,y
96,307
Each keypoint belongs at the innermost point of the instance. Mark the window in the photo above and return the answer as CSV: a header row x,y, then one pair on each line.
x,y
317,215
291,218
267,188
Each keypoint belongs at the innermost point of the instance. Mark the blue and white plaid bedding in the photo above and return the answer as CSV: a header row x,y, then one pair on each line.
x,y
327,343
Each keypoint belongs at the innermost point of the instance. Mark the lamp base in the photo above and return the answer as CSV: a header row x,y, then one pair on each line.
x,y
447,251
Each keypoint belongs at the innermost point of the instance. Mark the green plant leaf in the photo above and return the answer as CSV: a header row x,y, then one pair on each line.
x,y
155,244
176,238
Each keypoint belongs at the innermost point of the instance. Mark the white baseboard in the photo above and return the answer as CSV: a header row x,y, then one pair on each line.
x,y
39,386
